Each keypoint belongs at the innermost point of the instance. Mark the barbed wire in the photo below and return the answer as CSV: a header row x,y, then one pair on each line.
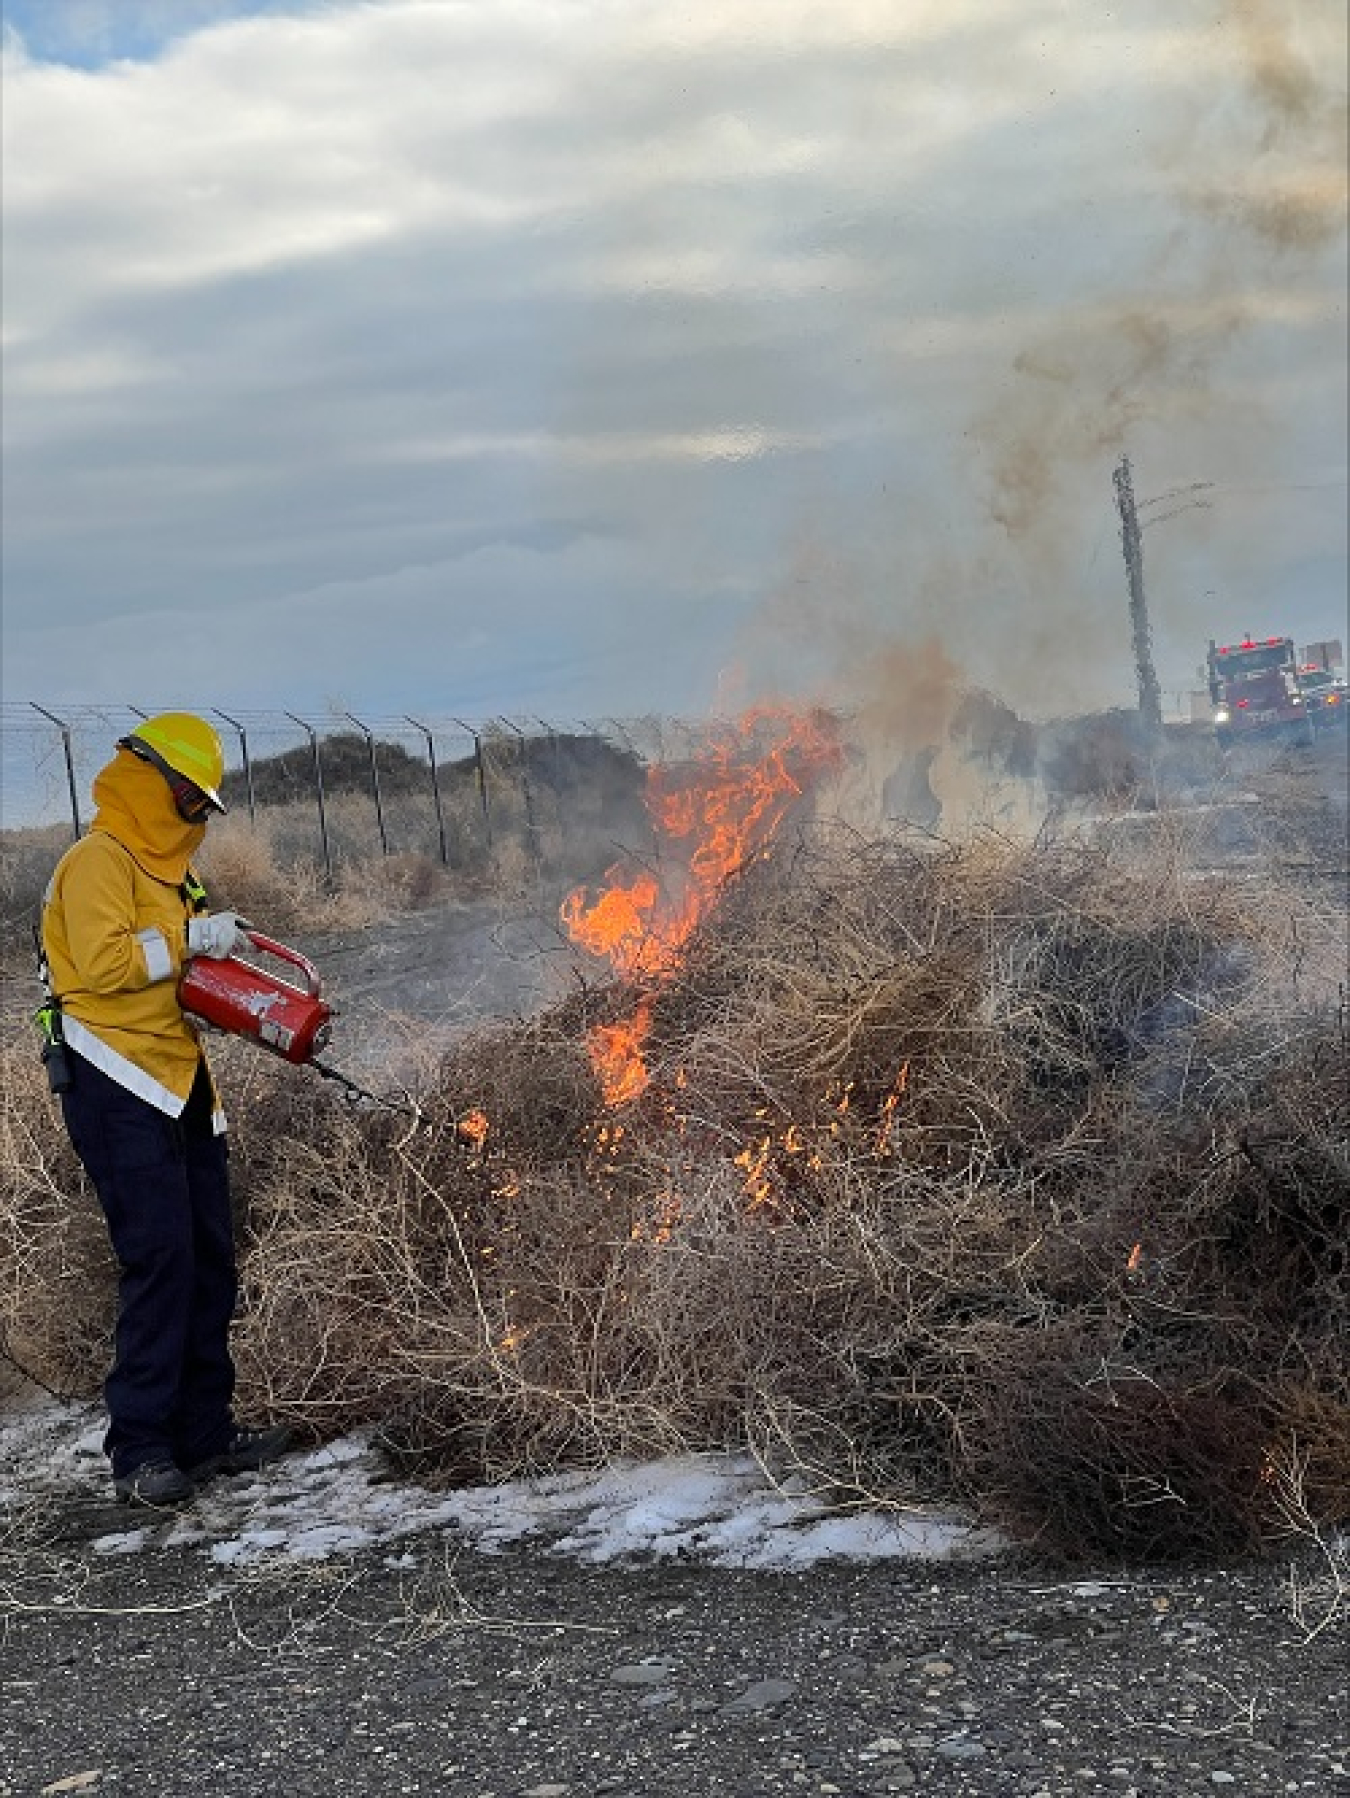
x,y
50,753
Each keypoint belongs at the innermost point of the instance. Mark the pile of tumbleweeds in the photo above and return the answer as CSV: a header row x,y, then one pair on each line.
x,y
1012,1176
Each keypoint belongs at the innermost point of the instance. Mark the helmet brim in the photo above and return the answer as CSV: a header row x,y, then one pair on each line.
x,y
148,753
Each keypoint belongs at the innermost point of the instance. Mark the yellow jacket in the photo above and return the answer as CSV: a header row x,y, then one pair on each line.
x,y
114,930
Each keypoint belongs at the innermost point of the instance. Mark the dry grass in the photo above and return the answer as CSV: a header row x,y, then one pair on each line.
x,y
274,869
285,890
1007,1175
56,1269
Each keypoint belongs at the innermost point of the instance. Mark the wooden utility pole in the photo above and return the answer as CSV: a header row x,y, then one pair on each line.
x,y
1131,537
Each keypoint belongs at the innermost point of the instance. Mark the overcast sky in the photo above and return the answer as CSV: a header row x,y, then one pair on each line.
x,y
581,357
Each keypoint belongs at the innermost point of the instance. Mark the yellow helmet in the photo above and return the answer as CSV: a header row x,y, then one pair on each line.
x,y
179,743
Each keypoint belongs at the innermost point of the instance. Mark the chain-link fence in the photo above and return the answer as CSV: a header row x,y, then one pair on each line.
x,y
346,788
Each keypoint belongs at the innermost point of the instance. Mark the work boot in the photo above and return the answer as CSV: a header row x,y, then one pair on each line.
x,y
245,1452
154,1483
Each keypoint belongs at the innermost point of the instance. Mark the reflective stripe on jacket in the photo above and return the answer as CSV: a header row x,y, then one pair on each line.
x,y
115,935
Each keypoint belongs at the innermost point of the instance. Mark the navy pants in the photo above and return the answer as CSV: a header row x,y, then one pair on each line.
x,y
163,1184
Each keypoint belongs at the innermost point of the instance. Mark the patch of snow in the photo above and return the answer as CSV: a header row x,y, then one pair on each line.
x,y
718,1510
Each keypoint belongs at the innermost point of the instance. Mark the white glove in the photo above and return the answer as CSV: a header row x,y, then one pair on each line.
x,y
218,934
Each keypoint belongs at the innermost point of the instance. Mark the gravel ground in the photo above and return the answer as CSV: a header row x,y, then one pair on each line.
x,y
445,1670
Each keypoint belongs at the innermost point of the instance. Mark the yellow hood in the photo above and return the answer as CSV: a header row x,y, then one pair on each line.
x,y
136,808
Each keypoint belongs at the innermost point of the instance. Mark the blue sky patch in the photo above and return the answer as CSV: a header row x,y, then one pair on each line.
x,y
88,34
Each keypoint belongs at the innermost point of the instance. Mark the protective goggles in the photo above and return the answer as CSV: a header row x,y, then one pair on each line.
x,y
191,804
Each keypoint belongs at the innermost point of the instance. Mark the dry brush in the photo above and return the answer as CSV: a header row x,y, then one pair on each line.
x,y
1004,1175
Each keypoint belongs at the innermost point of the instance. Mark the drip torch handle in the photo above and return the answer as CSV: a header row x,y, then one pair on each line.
x,y
266,946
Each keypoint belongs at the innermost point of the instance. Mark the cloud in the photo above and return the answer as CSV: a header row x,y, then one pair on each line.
x,y
376,300
505,628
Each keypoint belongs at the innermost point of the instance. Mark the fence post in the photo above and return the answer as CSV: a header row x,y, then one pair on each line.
x,y
555,754
556,780
527,793
374,781
623,736
313,736
70,765
481,775
243,756
435,786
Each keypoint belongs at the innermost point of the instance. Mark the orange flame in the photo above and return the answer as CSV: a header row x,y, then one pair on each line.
x,y
616,1055
473,1127
758,1186
619,924
888,1105
725,808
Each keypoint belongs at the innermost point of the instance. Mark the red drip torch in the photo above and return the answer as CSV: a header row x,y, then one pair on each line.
x,y
292,1021
289,1020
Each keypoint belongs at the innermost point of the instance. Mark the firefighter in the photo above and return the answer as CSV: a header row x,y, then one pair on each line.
x,y
122,916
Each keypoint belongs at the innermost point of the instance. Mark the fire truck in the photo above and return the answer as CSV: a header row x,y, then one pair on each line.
x,y
1255,690
1325,696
